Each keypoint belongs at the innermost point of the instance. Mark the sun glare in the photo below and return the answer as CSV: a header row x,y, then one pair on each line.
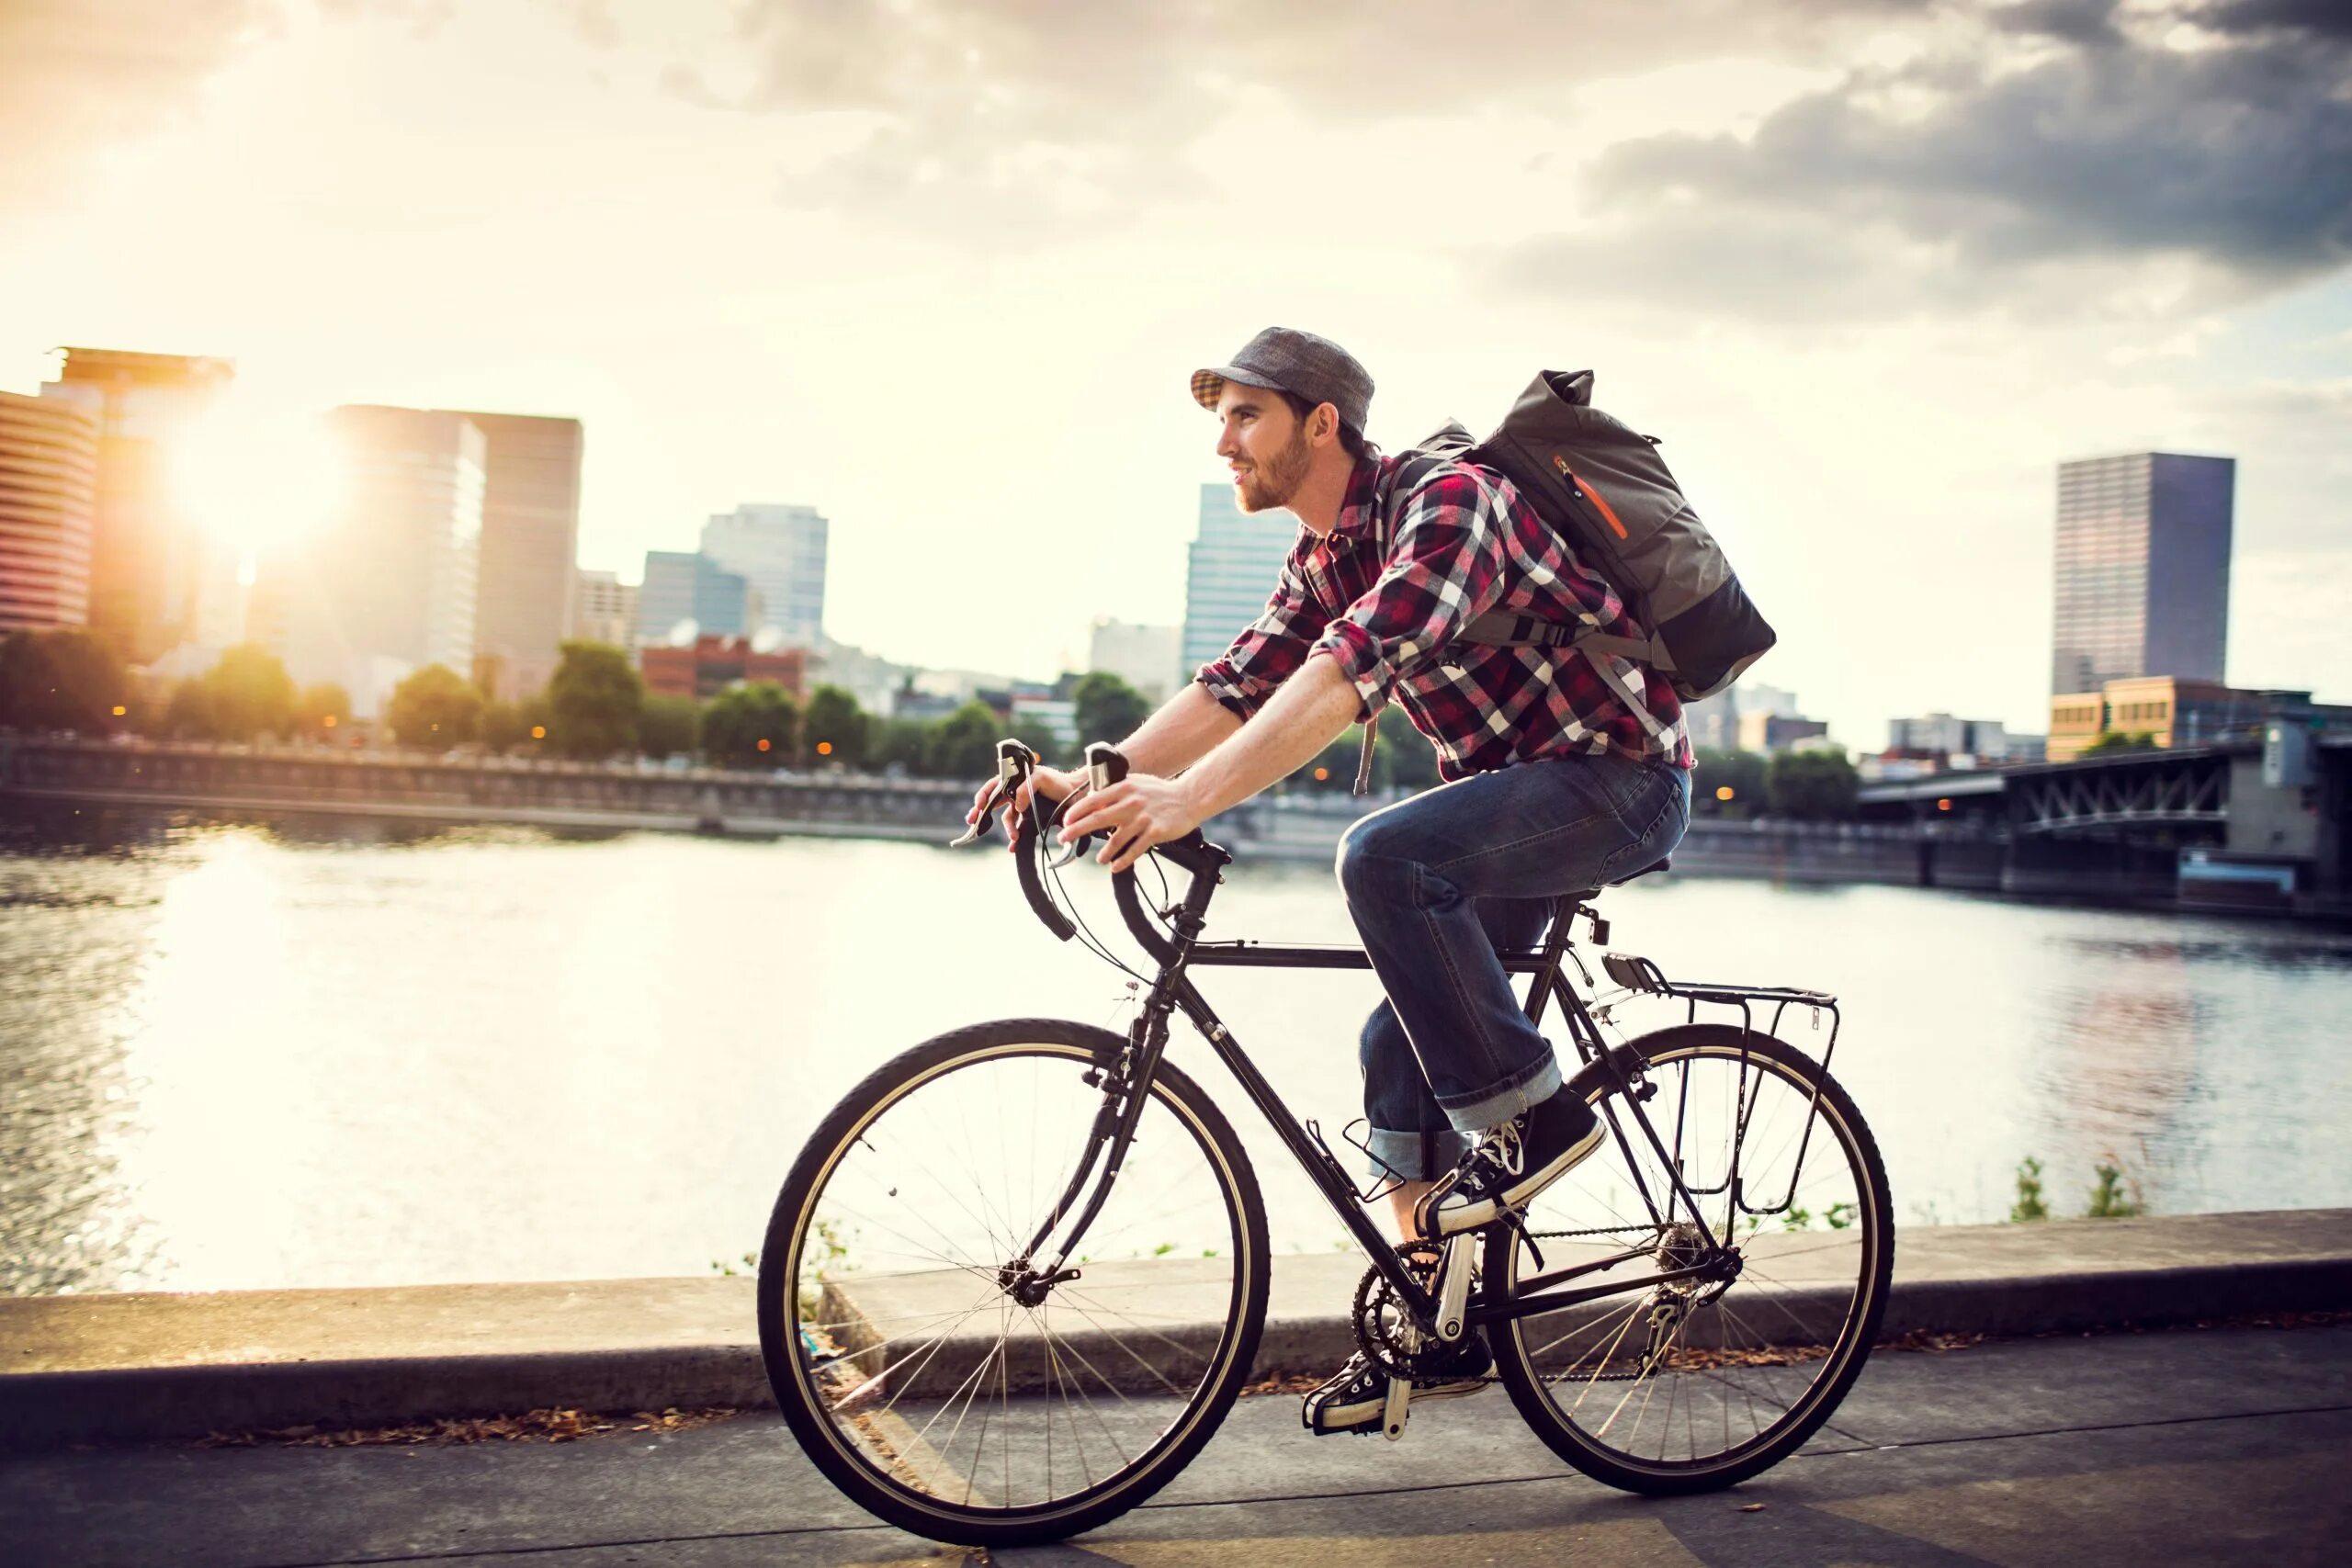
x,y
255,483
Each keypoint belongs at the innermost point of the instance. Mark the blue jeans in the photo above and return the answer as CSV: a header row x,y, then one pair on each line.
x,y
1436,884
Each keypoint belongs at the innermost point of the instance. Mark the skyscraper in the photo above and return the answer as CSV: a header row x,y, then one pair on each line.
x,y
780,550
1236,559
387,586
687,585
49,465
2142,564
530,537
148,558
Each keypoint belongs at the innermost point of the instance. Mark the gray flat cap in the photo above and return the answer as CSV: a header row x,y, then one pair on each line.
x,y
1299,363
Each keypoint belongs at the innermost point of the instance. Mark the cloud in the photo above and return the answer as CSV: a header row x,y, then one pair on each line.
x,y
2225,169
77,75
1019,114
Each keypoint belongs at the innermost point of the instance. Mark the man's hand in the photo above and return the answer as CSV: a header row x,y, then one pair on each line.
x,y
1139,811
1053,783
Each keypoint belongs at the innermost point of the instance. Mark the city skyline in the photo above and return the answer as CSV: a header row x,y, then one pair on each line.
x,y
1918,274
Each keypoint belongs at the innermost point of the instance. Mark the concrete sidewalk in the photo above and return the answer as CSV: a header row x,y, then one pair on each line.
x,y
2216,1446
78,1368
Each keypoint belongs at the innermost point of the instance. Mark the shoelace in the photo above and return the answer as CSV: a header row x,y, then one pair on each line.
x,y
1503,1148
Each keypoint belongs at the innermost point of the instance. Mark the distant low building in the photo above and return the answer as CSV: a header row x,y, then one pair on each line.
x,y
2172,712
1713,723
604,609
1771,732
710,664
1144,657
1948,743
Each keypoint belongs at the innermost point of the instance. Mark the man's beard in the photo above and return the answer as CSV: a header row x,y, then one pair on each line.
x,y
1273,482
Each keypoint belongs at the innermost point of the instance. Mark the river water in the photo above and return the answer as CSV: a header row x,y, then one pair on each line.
x,y
238,1056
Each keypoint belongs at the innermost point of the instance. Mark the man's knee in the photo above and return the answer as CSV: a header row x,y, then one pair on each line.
x,y
1369,866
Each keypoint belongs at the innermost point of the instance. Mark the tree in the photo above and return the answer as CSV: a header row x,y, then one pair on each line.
x,y
187,714
64,679
593,700
1742,772
963,745
667,726
250,693
1811,787
435,708
1108,708
835,721
320,710
751,726
1405,759
2117,741
501,728
903,744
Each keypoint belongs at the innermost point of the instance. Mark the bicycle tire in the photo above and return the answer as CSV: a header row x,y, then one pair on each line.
x,y
1871,1219
880,1480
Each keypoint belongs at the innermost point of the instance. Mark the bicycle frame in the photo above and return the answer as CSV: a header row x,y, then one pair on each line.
x,y
1127,1081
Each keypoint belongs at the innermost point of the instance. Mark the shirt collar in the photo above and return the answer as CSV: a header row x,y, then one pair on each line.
x,y
1359,510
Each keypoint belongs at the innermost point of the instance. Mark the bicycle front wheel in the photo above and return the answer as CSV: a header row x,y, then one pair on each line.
x,y
907,1339
1698,1384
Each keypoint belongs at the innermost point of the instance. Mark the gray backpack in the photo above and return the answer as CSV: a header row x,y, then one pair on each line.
x,y
1608,495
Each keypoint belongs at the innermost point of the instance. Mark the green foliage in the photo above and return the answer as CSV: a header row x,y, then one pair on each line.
x,y
1403,758
835,719
435,707
755,725
1108,708
322,711
501,728
1811,787
2114,1196
250,694
187,714
963,745
593,700
1742,772
65,678
667,727
901,743
2118,740
2031,1203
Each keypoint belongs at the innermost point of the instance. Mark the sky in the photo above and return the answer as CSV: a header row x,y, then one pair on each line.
x,y
1872,269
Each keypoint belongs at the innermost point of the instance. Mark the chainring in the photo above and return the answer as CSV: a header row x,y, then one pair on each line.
x,y
1383,1326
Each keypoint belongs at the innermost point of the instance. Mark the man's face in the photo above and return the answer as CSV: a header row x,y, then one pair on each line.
x,y
1264,445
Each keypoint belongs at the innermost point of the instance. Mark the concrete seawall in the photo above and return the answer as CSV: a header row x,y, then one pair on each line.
x,y
80,1369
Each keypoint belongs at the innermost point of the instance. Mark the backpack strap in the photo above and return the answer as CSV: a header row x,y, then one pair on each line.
x,y
1497,629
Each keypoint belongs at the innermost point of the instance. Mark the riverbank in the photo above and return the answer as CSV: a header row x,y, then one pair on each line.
x,y
84,1368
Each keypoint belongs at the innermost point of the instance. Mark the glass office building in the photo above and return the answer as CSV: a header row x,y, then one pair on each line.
x,y
2143,568
1236,559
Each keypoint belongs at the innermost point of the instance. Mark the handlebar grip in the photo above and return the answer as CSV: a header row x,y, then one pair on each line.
x,y
1033,887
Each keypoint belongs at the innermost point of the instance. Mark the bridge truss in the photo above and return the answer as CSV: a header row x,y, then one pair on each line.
x,y
2156,789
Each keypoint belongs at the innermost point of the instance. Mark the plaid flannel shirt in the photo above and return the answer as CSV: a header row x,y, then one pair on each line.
x,y
1385,594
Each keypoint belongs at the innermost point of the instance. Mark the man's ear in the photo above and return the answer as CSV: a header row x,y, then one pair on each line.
x,y
1325,424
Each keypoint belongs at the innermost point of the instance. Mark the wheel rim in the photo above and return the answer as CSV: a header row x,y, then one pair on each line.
x,y
922,1366
1692,1378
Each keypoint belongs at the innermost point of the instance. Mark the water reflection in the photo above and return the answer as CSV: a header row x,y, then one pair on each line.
x,y
312,1053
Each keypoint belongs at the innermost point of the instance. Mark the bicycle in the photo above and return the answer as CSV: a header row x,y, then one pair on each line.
x,y
1017,1277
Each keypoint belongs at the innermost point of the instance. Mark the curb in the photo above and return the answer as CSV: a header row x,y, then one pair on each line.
x,y
211,1363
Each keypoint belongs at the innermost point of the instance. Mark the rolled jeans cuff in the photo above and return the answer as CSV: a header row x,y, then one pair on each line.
x,y
1415,1155
1533,1084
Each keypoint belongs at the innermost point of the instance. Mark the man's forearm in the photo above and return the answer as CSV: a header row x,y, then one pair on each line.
x,y
1312,709
1186,727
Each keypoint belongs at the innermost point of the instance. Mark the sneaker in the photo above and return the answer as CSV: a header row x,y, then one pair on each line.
x,y
1352,1399
1510,1165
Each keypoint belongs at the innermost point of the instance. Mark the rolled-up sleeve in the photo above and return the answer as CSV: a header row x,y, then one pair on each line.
x,y
1444,569
1270,650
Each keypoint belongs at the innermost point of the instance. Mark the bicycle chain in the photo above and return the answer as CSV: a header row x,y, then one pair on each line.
x,y
1568,1235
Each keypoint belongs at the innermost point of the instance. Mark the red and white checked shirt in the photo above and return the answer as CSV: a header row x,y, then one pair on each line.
x,y
1388,590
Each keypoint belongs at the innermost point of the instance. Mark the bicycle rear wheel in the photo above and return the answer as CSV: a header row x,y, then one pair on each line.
x,y
1690,1386
892,1316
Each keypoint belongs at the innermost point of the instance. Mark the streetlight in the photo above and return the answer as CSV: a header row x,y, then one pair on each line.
x,y
1724,792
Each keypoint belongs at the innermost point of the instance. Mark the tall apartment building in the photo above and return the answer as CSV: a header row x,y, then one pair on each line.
x,y
530,542
2143,573
388,585
48,488
687,585
149,559
1236,559
603,609
780,550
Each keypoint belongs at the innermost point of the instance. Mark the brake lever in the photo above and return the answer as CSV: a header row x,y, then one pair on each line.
x,y
998,796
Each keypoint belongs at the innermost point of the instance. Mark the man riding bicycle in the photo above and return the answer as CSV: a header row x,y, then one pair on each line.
x,y
1566,769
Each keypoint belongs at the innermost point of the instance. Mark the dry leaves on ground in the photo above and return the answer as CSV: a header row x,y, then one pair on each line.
x,y
532,1427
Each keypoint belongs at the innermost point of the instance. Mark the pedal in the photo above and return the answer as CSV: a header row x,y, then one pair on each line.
x,y
1454,1289
1393,1409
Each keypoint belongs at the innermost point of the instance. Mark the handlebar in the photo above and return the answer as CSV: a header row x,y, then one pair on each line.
x,y
1106,766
